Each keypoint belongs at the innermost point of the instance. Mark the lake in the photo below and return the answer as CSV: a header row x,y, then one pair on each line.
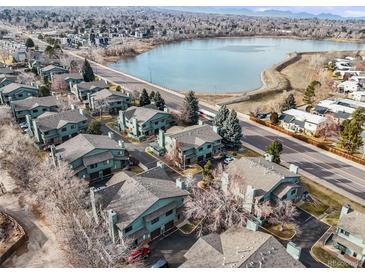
x,y
219,64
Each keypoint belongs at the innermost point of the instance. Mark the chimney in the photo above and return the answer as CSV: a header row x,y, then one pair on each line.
x,y
346,209
294,250
294,169
166,109
269,157
72,106
161,164
161,138
81,111
215,129
200,122
121,144
180,184
112,219
252,225
111,135
121,120
93,204
225,182
53,155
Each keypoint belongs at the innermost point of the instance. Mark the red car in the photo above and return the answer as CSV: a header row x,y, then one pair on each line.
x,y
137,254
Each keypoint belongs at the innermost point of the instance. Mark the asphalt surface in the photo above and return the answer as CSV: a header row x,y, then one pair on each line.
x,y
332,170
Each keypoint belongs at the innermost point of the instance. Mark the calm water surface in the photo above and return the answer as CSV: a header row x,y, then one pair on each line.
x,y
218,65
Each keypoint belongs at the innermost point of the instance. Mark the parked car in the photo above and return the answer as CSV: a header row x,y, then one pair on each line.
x,y
160,263
261,115
137,254
228,159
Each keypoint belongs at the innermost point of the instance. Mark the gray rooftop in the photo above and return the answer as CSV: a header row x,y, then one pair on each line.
x,y
142,114
92,85
108,94
55,120
51,67
353,222
239,247
75,76
259,172
82,144
32,102
13,86
131,195
194,136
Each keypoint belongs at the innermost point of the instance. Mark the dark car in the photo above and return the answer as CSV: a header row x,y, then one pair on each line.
x,y
160,263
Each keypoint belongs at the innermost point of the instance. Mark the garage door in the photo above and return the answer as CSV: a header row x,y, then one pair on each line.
x,y
155,233
169,225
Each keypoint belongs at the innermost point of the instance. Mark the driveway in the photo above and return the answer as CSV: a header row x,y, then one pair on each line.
x,y
311,230
172,248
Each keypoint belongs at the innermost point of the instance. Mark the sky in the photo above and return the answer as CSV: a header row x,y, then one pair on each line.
x,y
342,11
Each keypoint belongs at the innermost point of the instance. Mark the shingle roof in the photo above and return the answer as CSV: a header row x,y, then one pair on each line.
x,y
13,86
260,173
142,114
57,120
133,195
106,93
51,67
76,76
91,85
353,222
239,247
82,144
32,102
194,136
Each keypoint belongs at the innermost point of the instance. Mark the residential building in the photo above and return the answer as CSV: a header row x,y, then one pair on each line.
x,y
52,128
348,86
358,96
82,89
262,181
15,91
6,79
109,101
48,71
92,157
196,143
34,106
139,207
348,240
141,122
73,78
239,247
299,120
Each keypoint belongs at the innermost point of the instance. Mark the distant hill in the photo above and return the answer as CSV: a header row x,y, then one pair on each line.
x,y
269,13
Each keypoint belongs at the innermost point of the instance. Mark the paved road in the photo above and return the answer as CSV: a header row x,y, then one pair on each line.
x,y
332,171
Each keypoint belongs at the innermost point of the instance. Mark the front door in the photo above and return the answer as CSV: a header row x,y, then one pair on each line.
x,y
169,225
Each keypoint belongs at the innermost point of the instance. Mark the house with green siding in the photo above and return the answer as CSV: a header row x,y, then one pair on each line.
x,y
109,101
6,79
48,71
72,79
92,157
15,91
34,106
141,122
140,207
53,128
194,143
349,237
260,181
81,90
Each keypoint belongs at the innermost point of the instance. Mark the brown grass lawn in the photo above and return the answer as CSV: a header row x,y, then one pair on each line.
x,y
327,258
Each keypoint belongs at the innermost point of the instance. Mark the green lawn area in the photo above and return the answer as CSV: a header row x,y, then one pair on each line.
x,y
314,208
328,198
332,218
328,259
244,152
192,170
286,234
187,228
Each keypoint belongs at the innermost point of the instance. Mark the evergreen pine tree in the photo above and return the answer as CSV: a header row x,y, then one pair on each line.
x,y
350,132
144,99
208,171
190,111
219,119
94,127
275,148
289,103
29,43
232,130
152,95
159,101
87,72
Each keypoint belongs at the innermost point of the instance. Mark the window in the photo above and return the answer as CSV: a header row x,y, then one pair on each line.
x,y
156,123
129,228
35,110
293,191
63,129
93,165
209,146
155,220
200,149
72,126
168,213
44,109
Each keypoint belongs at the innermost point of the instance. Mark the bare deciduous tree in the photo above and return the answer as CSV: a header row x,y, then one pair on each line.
x,y
283,213
328,128
173,154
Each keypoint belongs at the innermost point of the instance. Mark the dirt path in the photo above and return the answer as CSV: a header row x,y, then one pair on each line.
x,y
41,249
